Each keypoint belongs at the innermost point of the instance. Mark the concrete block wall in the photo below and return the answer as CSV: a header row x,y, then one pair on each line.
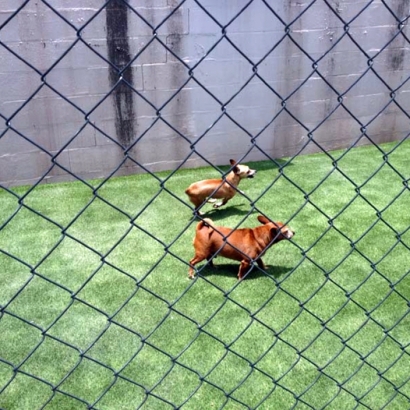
x,y
64,112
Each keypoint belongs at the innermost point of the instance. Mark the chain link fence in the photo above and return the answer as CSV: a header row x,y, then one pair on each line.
x,y
66,344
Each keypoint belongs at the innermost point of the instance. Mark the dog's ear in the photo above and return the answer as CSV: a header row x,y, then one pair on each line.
x,y
274,233
235,168
263,220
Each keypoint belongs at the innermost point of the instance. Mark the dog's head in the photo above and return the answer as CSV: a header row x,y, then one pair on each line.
x,y
243,171
278,231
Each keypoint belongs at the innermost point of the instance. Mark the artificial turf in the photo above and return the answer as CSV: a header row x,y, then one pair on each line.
x,y
97,308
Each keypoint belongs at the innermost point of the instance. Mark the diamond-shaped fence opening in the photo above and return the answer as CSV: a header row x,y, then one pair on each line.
x,y
110,109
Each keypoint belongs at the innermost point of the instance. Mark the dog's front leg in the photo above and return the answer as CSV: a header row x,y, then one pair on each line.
x,y
243,269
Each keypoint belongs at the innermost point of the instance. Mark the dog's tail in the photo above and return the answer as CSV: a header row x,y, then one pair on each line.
x,y
207,224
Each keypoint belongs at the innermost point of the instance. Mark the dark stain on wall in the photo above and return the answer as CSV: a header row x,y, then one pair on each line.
x,y
396,58
180,107
396,55
119,55
402,9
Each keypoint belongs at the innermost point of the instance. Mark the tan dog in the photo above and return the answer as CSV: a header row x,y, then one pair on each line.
x,y
200,191
245,245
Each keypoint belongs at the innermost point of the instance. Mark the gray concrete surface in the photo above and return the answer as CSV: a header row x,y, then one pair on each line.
x,y
48,137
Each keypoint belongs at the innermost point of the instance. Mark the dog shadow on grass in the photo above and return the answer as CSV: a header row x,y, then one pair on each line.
x,y
261,166
226,212
231,270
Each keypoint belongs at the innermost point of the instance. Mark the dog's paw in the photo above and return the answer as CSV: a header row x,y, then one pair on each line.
x,y
212,200
217,205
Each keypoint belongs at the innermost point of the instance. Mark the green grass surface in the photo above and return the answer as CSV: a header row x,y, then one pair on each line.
x,y
101,313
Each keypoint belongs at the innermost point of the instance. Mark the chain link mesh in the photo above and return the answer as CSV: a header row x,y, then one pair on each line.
x,y
82,350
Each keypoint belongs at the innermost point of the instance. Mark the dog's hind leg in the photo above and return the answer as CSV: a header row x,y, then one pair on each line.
x,y
211,262
261,264
219,204
197,203
196,259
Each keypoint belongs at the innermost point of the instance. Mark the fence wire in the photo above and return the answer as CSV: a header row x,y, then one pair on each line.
x,y
53,388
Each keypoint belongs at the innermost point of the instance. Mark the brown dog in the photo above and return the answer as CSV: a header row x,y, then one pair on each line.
x,y
200,191
245,245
